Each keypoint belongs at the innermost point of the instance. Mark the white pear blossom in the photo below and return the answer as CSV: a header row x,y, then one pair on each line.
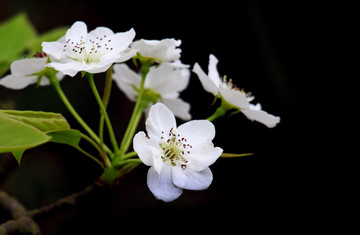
x,y
179,156
163,82
163,51
92,52
24,73
224,88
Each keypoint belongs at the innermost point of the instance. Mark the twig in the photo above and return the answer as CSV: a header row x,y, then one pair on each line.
x,y
21,222
60,205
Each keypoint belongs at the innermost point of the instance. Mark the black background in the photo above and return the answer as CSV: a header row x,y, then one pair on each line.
x,y
271,49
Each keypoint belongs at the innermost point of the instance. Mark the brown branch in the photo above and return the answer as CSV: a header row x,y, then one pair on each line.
x,y
60,205
21,222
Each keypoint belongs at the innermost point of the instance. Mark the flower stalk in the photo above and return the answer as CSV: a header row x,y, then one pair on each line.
x,y
55,83
137,112
103,111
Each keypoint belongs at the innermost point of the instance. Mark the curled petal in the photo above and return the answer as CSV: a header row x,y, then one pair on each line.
x,y
161,184
206,82
160,119
261,116
190,179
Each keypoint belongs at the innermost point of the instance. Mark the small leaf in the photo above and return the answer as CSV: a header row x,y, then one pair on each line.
x,y
18,155
69,137
228,155
44,121
17,136
15,34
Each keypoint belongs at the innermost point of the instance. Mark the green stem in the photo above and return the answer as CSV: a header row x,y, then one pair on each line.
x,y
127,161
90,156
55,83
101,152
137,113
103,110
105,101
129,155
220,111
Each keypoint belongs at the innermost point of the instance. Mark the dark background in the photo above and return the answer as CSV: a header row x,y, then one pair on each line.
x,y
271,49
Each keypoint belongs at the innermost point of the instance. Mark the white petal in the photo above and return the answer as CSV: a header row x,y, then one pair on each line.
x,y
53,49
193,130
125,78
17,82
202,155
190,179
100,32
212,70
161,185
126,55
234,97
123,40
206,82
28,66
160,119
261,116
142,146
167,81
164,50
77,32
70,68
180,108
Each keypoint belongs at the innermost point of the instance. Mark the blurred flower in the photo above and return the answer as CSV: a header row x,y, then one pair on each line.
x,y
25,72
179,157
162,84
162,51
92,52
235,97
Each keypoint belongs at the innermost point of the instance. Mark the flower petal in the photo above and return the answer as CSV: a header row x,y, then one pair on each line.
x,y
194,129
160,119
190,179
261,116
212,70
125,78
167,81
28,66
70,68
123,40
17,82
161,185
206,82
179,107
77,32
53,49
164,50
234,97
202,155
142,147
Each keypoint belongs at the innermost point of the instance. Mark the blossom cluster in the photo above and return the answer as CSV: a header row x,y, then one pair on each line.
x,y
179,156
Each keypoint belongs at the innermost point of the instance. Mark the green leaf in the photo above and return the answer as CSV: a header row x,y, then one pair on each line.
x,y
43,121
18,155
15,35
49,36
16,136
69,137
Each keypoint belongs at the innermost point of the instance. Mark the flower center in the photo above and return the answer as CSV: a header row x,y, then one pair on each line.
x,y
88,51
228,83
174,148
